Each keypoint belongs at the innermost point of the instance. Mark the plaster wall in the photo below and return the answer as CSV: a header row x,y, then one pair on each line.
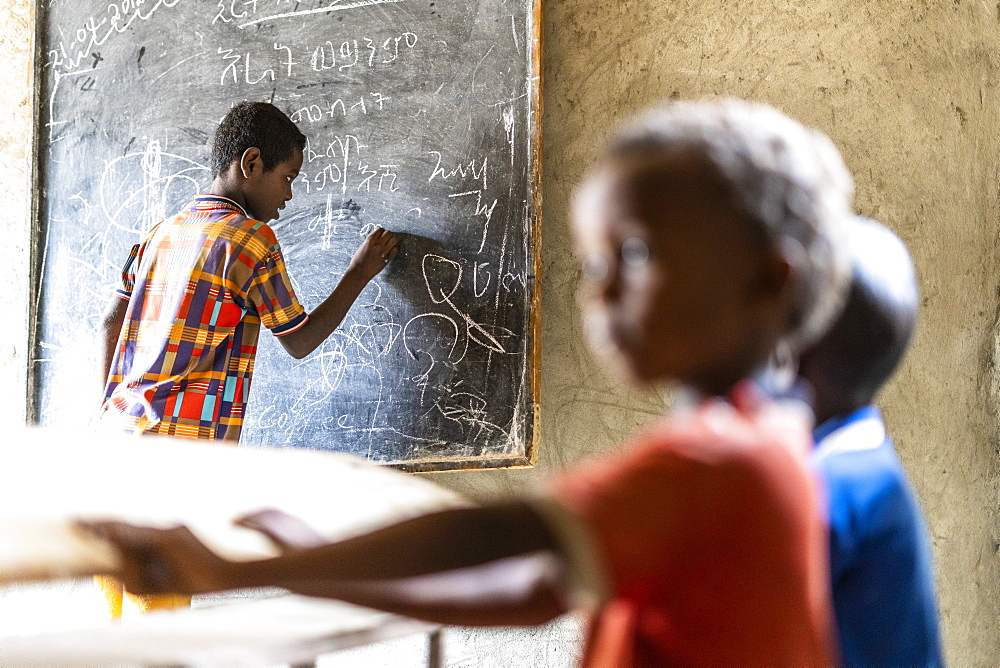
x,y
15,219
907,90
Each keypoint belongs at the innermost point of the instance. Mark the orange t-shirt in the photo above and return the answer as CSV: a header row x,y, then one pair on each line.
x,y
712,550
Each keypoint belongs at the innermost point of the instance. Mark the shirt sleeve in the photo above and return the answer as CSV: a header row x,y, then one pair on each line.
x,y
700,525
271,295
132,263
689,494
584,584
128,274
630,508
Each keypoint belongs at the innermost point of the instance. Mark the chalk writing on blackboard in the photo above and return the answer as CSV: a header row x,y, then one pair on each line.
x,y
421,117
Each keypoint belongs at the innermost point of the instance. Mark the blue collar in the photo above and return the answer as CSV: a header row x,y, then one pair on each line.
x,y
836,422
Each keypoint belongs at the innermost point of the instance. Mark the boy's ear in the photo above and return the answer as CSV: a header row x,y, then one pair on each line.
x,y
781,267
251,162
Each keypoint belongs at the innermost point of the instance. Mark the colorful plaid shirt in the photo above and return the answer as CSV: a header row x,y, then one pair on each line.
x,y
199,286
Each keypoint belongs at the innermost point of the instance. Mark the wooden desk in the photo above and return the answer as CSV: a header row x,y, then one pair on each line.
x,y
48,479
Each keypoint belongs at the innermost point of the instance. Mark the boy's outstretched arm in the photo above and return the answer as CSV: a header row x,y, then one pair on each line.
x,y
111,328
371,257
496,565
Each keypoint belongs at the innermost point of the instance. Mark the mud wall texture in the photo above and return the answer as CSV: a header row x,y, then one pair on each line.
x,y
907,90
15,221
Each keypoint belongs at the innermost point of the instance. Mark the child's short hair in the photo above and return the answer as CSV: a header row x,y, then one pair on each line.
x,y
255,124
788,181
863,347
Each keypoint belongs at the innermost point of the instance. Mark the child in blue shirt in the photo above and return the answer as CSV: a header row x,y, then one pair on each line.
x,y
880,557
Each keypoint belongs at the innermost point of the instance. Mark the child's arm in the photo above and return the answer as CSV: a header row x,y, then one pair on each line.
x,y
371,257
482,566
287,532
111,328
526,589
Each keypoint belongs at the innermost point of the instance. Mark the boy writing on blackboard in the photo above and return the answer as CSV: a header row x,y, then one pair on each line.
x,y
708,244
180,336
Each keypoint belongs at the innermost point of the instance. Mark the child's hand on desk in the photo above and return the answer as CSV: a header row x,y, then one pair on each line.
x,y
287,532
374,254
160,561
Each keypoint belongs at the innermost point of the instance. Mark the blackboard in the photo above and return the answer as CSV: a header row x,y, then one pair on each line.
x,y
422,116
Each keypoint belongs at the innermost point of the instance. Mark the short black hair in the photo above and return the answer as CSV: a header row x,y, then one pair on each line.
x,y
863,347
255,124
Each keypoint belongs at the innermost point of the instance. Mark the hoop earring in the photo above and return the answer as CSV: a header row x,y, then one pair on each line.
x,y
783,366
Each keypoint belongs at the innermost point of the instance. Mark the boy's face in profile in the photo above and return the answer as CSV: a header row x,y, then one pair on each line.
x,y
267,191
673,280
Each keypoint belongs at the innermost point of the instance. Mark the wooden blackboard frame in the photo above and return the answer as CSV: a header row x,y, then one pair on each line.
x,y
36,187
534,216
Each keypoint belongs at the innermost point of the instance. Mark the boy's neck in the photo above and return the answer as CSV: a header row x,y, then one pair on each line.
x,y
691,392
775,383
224,187
827,410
